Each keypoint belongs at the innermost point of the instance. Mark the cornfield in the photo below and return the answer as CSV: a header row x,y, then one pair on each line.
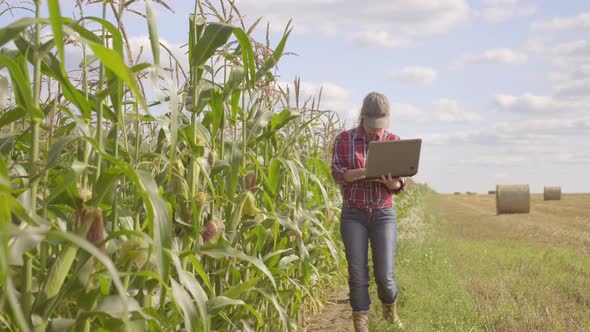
x,y
144,195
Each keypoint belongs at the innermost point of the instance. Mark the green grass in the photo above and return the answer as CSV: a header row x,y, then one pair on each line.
x,y
432,297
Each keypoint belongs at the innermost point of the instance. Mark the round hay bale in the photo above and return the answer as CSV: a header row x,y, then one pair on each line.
x,y
552,193
456,193
513,198
491,192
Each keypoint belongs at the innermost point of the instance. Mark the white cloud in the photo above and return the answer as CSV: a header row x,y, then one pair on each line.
x,y
143,43
494,159
334,98
573,88
573,158
542,142
556,124
442,111
557,24
522,155
382,38
572,53
539,136
340,100
530,103
535,46
448,111
140,47
500,10
574,48
571,79
416,74
381,23
503,56
527,151
455,137
577,73
570,84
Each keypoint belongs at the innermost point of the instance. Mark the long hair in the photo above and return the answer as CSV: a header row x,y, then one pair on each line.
x,y
360,121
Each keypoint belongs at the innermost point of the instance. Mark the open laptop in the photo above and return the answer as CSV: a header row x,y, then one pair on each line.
x,y
400,158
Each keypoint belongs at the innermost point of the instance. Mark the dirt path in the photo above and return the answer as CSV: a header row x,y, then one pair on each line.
x,y
336,315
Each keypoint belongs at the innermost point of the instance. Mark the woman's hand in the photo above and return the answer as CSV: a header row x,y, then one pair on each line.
x,y
352,175
392,183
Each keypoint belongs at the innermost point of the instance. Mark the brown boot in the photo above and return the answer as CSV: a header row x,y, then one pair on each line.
x,y
361,321
390,314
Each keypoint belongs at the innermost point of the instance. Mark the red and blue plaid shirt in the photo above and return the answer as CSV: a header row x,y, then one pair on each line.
x,y
350,152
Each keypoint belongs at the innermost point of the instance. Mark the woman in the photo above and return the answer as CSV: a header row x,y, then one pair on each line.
x,y
368,212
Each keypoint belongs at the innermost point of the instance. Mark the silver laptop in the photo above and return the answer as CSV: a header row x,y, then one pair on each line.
x,y
399,158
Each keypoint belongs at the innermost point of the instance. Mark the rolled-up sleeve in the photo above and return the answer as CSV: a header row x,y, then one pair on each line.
x,y
339,160
403,183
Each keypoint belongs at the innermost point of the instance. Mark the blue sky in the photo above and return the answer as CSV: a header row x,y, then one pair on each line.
x,y
498,89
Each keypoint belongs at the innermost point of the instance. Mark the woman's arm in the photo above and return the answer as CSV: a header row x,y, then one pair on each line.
x,y
342,171
352,175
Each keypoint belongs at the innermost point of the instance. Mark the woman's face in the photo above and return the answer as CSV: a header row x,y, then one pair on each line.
x,y
372,132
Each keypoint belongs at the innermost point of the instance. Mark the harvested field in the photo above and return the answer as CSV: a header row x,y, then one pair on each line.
x,y
564,223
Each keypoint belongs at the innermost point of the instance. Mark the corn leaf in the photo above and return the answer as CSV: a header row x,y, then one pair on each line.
x,y
274,59
111,59
282,312
9,32
194,288
248,58
153,30
219,251
183,300
11,116
115,80
21,83
214,36
158,217
201,272
241,289
56,26
236,77
218,302
214,118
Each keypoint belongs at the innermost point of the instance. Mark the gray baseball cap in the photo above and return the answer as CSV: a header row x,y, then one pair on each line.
x,y
375,111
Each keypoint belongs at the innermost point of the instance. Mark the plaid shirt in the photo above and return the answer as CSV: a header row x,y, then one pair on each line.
x,y
350,152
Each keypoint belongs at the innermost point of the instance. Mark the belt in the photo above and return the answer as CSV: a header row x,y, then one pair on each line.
x,y
367,209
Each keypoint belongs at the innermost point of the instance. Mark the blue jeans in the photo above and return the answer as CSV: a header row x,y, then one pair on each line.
x,y
358,227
